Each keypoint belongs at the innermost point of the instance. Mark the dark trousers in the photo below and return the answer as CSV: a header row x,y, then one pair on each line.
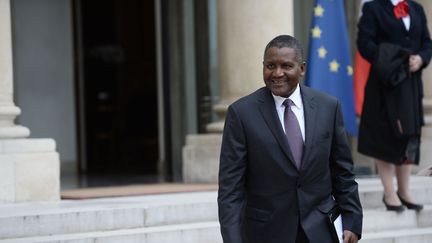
x,y
301,236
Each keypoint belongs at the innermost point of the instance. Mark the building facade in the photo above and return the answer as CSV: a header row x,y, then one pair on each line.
x,y
133,91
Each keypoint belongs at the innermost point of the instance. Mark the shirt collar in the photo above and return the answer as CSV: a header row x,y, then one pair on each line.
x,y
295,97
395,2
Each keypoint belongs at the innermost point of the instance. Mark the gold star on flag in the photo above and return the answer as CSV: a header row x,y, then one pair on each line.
x,y
322,52
334,66
316,32
349,70
318,11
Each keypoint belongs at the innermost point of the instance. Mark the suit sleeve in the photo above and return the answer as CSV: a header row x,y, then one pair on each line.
x,y
345,188
426,46
231,195
367,43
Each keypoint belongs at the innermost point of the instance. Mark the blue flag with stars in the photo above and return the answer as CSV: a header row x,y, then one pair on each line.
x,y
329,66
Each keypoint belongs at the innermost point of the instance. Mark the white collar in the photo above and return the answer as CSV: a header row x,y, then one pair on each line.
x,y
295,97
395,2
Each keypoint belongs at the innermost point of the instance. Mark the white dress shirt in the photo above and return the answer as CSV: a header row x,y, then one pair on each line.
x,y
406,20
297,109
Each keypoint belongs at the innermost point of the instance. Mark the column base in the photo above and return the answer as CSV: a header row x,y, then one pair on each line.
x,y
8,113
215,127
220,108
201,158
15,131
29,170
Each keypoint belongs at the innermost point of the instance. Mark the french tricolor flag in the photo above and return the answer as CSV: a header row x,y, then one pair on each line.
x,y
361,74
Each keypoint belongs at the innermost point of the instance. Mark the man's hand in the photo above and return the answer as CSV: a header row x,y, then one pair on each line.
x,y
415,63
349,237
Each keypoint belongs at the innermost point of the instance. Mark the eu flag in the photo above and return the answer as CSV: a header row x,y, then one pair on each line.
x,y
329,63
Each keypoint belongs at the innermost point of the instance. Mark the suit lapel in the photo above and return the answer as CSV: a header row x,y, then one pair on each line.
x,y
388,6
310,122
268,111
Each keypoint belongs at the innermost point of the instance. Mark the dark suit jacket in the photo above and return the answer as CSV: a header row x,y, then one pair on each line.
x,y
378,26
262,196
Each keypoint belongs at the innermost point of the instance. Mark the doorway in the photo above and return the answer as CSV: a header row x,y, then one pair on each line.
x,y
117,91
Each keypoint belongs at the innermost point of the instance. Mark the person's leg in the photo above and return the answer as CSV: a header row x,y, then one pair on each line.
x,y
386,173
403,174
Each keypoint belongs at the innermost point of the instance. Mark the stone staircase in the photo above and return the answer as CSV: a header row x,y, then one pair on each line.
x,y
187,218
180,217
381,226
392,228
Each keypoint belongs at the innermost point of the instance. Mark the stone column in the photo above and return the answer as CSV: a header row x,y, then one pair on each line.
x,y
426,152
8,111
244,29
29,168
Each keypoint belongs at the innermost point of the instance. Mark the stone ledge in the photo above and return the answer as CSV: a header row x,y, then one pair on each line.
x,y
29,170
33,145
215,127
207,232
204,139
201,158
200,163
420,235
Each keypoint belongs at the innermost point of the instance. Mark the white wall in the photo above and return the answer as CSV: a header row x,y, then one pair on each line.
x,y
43,71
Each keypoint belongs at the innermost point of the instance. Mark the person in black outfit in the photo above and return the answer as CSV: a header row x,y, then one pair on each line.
x,y
393,36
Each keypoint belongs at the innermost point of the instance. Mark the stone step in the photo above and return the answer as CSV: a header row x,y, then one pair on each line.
x,y
131,218
204,232
371,191
420,235
377,220
207,232
37,219
130,213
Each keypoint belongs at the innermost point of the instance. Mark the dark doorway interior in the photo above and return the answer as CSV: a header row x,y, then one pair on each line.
x,y
118,87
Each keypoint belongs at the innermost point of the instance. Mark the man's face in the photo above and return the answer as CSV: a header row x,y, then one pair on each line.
x,y
282,71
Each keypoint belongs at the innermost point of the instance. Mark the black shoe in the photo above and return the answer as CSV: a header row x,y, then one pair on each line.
x,y
396,208
416,207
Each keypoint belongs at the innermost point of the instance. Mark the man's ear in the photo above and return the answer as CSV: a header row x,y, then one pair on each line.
x,y
303,68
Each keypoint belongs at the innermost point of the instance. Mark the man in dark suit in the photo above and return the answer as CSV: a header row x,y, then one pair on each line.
x,y
271,189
